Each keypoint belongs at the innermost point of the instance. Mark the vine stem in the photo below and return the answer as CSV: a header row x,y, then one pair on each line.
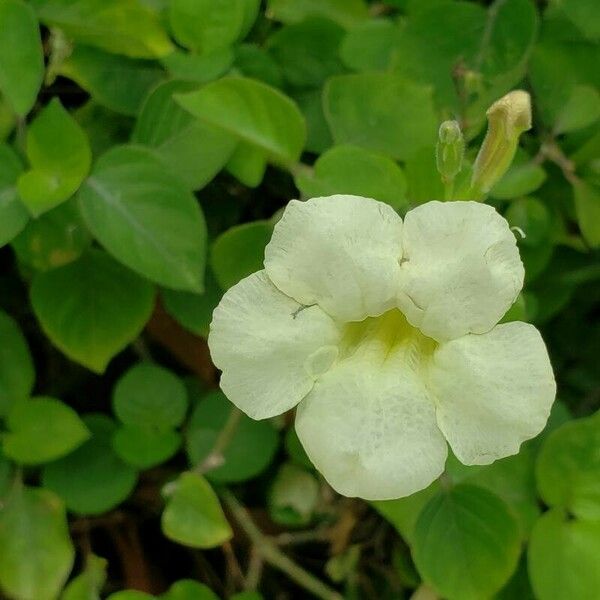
x,y
272,555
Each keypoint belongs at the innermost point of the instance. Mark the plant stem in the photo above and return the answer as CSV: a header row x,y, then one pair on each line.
x,y
272,555
215,457
448,189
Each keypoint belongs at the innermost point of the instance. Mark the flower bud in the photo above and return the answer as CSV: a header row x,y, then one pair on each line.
x,y
507,118
450,150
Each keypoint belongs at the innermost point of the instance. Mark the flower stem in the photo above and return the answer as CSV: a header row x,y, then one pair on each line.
x,y
215,457
272,555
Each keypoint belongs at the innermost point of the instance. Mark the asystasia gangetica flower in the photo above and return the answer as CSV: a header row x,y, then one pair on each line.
x,y
385,335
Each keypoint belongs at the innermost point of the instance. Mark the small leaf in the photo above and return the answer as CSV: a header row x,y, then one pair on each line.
x,y
187,589
380,112
208,419
466,543
146,218
587,208
568,468
91,308
581,110
92,479
88,584
239,252
353,170
60,158
150,396
17,375
345,12
293,496
21,55
13,215
371,46
41,430
252,111
119,26
563,558
248,164
532,217
193,516
144,448
36,553
519,180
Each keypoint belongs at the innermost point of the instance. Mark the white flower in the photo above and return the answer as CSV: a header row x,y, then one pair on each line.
x,y
385,335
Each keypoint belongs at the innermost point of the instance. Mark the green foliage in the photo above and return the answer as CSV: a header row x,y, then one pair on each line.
x,y
147,148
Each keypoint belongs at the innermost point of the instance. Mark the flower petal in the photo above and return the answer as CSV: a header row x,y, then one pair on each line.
x,y
461,270
340,252
269,347
371,431
493,391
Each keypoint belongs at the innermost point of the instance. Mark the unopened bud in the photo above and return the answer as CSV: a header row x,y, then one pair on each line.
x,y
507,118
450,150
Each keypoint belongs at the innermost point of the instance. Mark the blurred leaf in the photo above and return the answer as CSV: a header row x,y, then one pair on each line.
x,y
568,468
144,447
146,218
130,595
587,207
103,126
198,69
91,308
520,180
342,566
380,112
239,252
584,14
246,596
255,62
192,150
187,589
36,553
563,558
248,164
88,584
120,26
423,180
21,55
353,170
17,374
371,46
60,158
92,479
41,430
208,419
295,450
117,82
532,217
518,586
581,110
252,111
318,136
307,52
293,496
466,543
193,311
150,396
206,25
345,12
13,215
55,239
193,516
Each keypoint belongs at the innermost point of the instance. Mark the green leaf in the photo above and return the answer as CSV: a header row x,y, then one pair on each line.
x,y
422,177
253,112
568,468
198,68
584,14
150,396
345,12
293,496
380,112
55,239
92,479
581,110
13,215
41,430
307,52
587,208
60,158
144,447
205,26
120,26
88,584
239,252
146,218
192,150
255,62
353,170
193,516
208,419
187,589
466,543
318,136
193,311
532,217
117,82
130,595
248,164
104,127
21,55
91,308
17,375
372,46
563,558
522,178
36,553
